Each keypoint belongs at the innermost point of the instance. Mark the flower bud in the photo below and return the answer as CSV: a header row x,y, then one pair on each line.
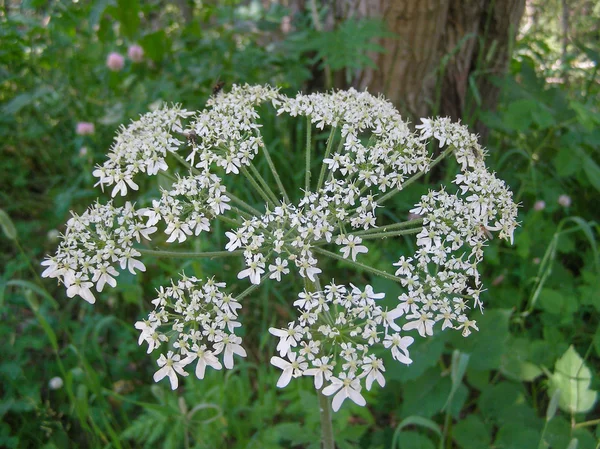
x,y
539,205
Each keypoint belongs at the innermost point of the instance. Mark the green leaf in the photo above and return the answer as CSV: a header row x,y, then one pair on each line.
x,y
413,440
515,362
7,226
486,346
573,378
516,436
129,17
471,433
156,45
551,301
552,405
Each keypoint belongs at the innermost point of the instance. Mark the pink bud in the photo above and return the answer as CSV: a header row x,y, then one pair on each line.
x,y
85,129
564,200
536,260
115,61
539,205
135,53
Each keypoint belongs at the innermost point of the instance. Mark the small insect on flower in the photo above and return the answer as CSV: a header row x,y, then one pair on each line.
x,y
218,87
191,137
487,232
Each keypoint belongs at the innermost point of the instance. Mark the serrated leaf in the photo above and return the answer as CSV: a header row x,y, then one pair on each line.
x,y
573,378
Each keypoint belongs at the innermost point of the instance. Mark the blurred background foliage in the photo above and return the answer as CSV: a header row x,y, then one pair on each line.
x,y
528,379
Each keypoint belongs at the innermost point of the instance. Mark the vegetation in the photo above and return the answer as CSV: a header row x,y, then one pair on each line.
x,y
73,375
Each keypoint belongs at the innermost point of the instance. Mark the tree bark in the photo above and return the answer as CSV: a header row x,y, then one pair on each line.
x,y
443,57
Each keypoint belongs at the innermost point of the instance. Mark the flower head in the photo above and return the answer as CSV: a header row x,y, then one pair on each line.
x,y
115,62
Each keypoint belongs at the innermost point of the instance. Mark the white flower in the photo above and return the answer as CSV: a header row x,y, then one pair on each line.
x,y
373,369
171,365
423,323
279,268
230,345
80,285
399,347
205,358
353,247
347,386
322,371
295,367
288,338
255,269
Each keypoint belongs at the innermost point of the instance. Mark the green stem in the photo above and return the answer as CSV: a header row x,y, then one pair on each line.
x,y
383,235
242,203
327,440
362,266
308,152
275,174
327,153
247,292
264,184
391,227
189,254
257,187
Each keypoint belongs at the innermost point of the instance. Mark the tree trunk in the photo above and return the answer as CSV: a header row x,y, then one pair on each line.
x,y
443,56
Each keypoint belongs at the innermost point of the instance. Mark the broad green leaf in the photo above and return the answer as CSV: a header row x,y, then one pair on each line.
x,y
573,378
155,45
486,346
471,433
413,440
517,436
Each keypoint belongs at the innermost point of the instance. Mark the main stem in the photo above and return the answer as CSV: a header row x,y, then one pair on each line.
x,y
324,406
326,423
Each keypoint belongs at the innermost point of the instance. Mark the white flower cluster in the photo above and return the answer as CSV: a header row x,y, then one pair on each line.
x,y
371,155
94,244
227,135
188,206
334,340
201,320
141,147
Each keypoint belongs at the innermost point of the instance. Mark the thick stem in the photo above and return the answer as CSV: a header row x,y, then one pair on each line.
x,y
327,441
